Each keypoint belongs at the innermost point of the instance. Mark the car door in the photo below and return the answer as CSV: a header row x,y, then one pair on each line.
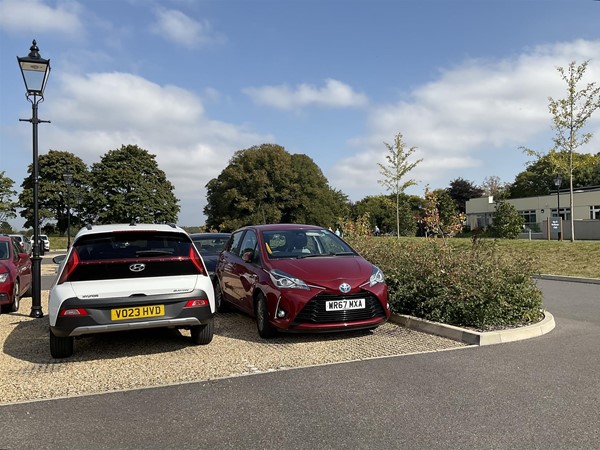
x,y
227,269
23,266
246,270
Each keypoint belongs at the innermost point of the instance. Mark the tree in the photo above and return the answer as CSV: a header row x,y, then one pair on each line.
x,y
440,214
127,185
462,190
394,171
53,192
493,186
538,177
381,210
507,223
569,117
8,207
266,184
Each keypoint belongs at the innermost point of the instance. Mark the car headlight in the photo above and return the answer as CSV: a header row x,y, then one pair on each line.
x,y
3,277
287,281
376,276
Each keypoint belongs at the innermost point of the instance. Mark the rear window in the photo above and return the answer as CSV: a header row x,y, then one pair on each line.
x,y
127,245
132,254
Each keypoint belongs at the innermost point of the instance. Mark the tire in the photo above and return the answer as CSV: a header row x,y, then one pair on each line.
x,y
265,329
16,297
220,305
61,347
203,334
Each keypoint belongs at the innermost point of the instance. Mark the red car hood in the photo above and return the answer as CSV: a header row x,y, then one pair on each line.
x,y
327,271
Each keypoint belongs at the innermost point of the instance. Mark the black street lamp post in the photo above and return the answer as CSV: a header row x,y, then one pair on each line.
x,y
35,71
557,183
68,177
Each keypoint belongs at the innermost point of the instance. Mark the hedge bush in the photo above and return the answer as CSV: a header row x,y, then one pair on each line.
x,y
475,286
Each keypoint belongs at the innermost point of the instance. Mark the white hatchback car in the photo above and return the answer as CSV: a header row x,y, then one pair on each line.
x,y
126,277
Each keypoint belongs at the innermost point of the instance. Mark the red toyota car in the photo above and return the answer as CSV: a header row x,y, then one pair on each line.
x,y
299,278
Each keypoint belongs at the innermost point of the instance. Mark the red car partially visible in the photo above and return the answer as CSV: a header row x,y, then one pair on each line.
x,y
15,274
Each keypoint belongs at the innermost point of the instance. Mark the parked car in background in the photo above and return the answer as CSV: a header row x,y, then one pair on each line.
x,y
23,241
127,277
15,274
210,246
299,278
45,242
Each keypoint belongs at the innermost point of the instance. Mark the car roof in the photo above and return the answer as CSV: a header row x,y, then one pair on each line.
x,y
97,229
283,227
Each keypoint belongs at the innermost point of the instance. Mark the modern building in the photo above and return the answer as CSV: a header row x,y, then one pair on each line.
x,y
541,214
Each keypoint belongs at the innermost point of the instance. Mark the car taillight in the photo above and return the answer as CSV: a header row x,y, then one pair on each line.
x,y
195,257
73,312
70,266
196,303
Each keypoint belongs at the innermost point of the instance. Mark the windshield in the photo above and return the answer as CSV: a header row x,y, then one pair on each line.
x,y
304,244
210,245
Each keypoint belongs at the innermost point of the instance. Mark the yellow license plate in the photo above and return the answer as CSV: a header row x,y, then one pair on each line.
x,y
137,312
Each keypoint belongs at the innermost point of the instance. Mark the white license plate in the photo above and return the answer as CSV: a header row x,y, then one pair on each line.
x,y
345,305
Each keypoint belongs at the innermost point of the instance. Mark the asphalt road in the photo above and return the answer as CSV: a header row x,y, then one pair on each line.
x,y
540,393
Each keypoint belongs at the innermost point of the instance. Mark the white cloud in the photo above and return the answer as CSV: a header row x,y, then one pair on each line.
x,y
183,30
102,111
35,16
475,112
334,94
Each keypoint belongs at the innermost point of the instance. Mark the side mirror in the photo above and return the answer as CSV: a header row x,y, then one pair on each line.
x,y
58,259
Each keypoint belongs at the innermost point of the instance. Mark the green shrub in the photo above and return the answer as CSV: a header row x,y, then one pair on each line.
x,y
474,286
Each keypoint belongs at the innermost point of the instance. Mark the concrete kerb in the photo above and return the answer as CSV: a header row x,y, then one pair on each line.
x,y
470,337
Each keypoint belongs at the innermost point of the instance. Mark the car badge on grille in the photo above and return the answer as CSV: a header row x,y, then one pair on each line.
x,y
345,288
137,267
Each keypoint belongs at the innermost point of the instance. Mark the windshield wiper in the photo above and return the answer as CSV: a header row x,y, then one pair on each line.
x,y
312,255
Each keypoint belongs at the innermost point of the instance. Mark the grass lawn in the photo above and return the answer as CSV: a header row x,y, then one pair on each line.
x,y
577,259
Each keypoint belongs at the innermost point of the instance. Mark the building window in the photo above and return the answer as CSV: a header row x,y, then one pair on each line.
x,y
529,216
595,212
565,213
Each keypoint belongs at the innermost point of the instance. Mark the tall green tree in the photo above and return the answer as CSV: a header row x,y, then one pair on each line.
x,y
381,210
395,170
53,192
8,207
462,190
507,223
266,184
569,118
128,185
538,177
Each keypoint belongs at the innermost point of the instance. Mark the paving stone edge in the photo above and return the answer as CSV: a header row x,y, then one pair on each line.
x,y
470,337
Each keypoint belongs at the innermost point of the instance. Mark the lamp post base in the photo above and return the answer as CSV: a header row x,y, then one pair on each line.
x,y
36,313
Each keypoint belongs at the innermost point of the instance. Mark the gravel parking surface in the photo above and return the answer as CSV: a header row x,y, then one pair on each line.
x,y
148,358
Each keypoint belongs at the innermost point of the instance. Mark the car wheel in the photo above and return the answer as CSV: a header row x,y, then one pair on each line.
x,y
61,347
265,329
220,305
203,334
16,298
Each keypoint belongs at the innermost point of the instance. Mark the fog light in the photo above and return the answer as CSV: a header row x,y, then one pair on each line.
x,y
280,313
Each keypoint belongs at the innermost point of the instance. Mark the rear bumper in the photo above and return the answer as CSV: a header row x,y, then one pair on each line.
x,y
80,330
98,317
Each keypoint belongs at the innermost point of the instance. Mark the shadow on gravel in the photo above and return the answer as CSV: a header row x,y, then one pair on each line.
x,y
29,339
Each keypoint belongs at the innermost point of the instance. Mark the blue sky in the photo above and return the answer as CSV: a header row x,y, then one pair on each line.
x,y
465,81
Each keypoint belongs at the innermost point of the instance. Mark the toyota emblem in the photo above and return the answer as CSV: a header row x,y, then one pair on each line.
x,y
345,288
137,267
